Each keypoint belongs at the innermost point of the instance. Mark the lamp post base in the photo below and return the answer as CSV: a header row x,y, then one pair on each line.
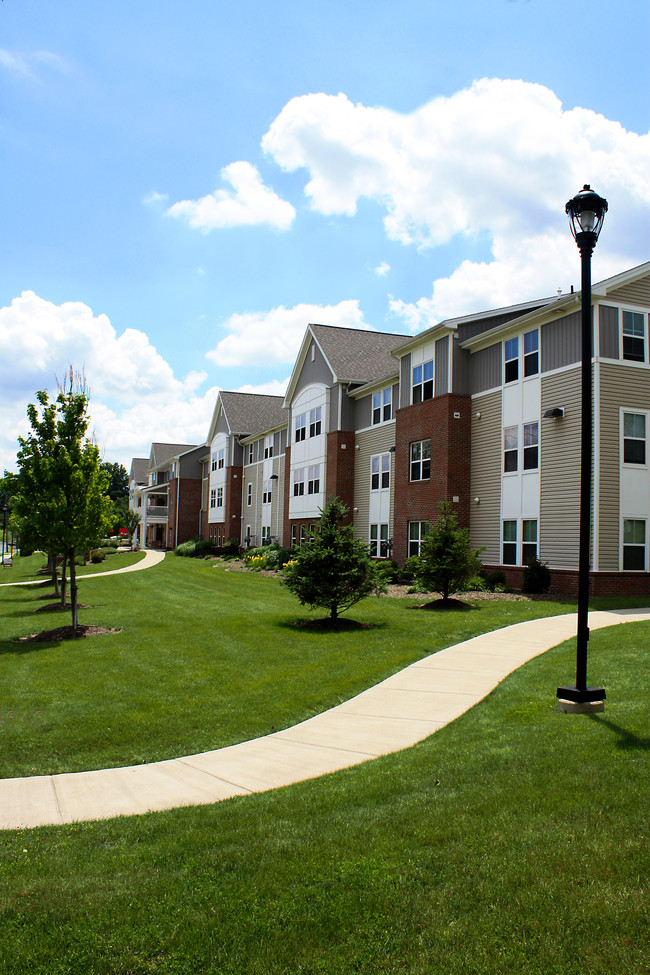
x,y
581,700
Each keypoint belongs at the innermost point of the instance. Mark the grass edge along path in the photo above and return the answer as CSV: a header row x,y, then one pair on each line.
x,y
513,840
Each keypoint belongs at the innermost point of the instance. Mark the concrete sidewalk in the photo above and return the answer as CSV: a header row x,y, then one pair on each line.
x,y
392,715
151,557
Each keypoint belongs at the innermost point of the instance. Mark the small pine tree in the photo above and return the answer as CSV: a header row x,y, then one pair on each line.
x,y
446,561
333,570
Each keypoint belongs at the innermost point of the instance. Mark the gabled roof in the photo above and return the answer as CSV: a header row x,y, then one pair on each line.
x,y
248,413
162,452
354,355
139,468
602,288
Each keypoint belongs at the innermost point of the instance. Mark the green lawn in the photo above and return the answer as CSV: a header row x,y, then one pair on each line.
x,y
512,841
205,658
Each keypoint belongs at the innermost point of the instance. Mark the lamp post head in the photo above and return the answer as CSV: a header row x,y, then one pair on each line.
x,y
586,212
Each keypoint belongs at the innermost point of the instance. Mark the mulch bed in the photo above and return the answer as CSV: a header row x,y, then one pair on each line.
x,y
84,630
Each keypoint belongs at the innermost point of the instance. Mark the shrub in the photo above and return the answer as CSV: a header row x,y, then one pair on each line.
x,y
537,577
97,556
494,581
230,548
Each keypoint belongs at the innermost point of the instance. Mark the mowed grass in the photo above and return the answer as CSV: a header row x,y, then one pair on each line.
x,y
512,841
204,658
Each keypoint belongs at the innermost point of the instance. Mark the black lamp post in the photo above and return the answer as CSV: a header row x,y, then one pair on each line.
x,y
586,213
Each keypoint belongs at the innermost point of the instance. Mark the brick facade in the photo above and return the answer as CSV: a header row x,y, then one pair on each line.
x,y
233,497
187,524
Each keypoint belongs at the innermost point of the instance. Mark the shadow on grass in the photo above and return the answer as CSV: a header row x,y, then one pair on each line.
x,y
440,606
326,625
626,740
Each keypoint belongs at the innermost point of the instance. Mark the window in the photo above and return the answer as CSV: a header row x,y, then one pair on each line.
x,y
531,446
421,460
313,479
531,353
249,496
634,544
301,427
220,497
510,448
634,438
266,492
380,472
299,482
529,541
221,454
250,453
418,531
510,543
213,497
214,460
268,447
379,541
266,534
382,405
423,381
512,360
294,534
303,535
315,422
634,336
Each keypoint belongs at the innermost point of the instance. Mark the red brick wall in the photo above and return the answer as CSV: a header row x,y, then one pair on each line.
x,y
433,420
286,523
339,481
564,582
189,510
233,501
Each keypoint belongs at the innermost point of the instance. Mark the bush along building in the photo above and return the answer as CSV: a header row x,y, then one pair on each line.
x,y
482,411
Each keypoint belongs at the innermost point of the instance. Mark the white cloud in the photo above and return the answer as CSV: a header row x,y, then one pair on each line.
x,y
495,161
277,387
249,203
257,338
22,65
153,196
382,269
134,395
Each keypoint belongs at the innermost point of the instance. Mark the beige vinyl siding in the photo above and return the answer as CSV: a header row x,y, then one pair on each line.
x,y
620,386
485,517
277,500
637,293
378,440
560,471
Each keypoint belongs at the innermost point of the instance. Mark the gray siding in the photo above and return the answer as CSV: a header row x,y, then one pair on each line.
x,y
375,441
347,419
221,426
441,384
620,385
485,369
560,471
608,332
561,342
485,517
363,412
313,372
460,368
633,294
405,380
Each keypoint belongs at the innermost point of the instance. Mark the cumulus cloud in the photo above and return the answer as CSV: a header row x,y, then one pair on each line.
x,y
382,269
248,203
135,396
494,162
277,387
257,338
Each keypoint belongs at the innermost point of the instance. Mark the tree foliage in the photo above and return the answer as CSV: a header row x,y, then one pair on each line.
x,y
446,561
333,569
118,481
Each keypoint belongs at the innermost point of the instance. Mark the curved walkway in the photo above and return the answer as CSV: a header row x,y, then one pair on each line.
x,y
151,557
392,715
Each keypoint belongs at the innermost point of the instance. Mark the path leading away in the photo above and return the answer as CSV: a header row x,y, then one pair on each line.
x,y
392,715
151,558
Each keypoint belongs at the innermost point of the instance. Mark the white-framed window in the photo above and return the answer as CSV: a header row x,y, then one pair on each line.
x,y
300,427
379,541
510,449
511,359
380,472
213,497
249,495
251,453
266,492
422,381
531,353
299,482
528,540
634,438
219,497
315,422
214,460
382,405
221,458
633,331
634,544
418,531
531,446
421,460
268,447
511,349
266,534
509,550
313,479
303,534
294,534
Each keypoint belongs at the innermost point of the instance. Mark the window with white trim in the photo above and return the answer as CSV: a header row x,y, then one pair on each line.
x,y
266,534
299,482
266,492
300,427
379,472
303,534
220,497
528,540
221,455
294,534
313,479
511,360
268,447
510,449
251,453
249,495
634,336
634,438
379,541
509,552
422,382
315,421
531,446
511,350
214,460
634,544
382,405
421,460
213,497
418,531
531,353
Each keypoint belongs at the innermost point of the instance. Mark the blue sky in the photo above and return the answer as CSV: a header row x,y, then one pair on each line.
x,y
186,186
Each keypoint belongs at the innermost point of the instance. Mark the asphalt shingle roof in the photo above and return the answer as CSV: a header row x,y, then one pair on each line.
x,y
356,355
139,468
161,452
249,413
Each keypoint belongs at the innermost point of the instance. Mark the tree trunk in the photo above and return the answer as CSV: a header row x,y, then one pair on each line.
x,y
63,581
73,589
51,564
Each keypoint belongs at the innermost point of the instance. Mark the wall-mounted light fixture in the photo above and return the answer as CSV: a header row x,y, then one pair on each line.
x,y
556,412
477,500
